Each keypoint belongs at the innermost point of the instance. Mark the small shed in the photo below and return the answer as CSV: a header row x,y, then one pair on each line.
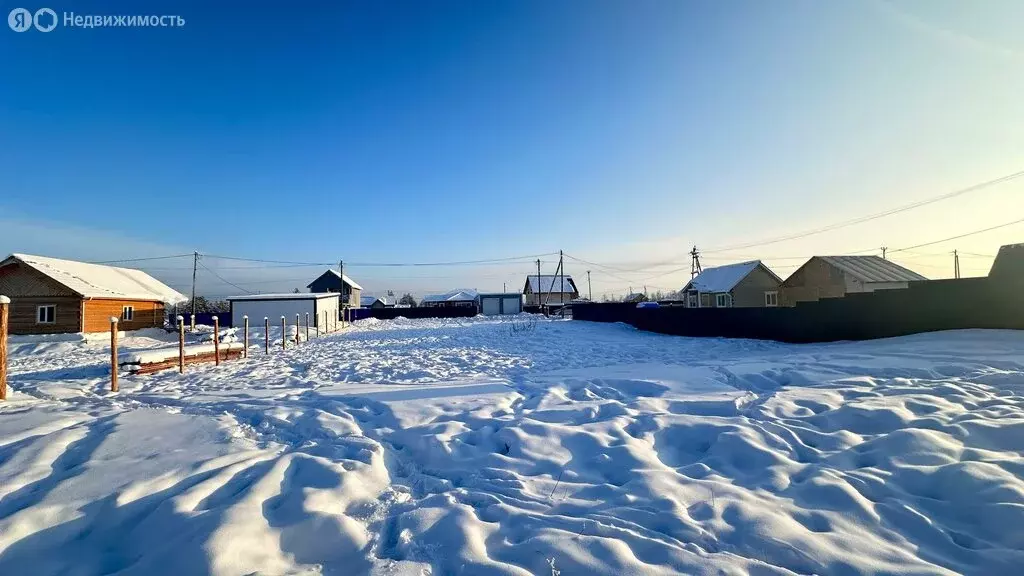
x,y
332,281
836,276
273,306
741,285
55,296
499,303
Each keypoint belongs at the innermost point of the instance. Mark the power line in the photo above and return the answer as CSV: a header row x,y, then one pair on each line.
x,y
219,277
237,258
870,217
513,259
989,229
142,259
617,277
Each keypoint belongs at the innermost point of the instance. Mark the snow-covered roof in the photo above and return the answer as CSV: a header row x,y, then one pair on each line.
x,y
724,278
368,301
101,281
347,280
453,296
549,283
872,269
287,296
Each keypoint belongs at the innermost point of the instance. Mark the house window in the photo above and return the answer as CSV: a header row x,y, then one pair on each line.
x,y
128,313
46,314
771,299
692,301
722,300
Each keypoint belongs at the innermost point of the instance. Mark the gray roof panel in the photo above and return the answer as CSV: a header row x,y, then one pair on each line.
x,y
872,269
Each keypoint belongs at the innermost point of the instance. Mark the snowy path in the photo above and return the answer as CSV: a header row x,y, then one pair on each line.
x,y
462,447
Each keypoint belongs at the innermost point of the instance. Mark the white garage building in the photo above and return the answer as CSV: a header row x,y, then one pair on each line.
x,y
273,306
493,304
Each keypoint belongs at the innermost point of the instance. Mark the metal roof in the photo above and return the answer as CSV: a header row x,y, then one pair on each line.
x,y
453,296
286,296
347,280
367,301
724,278
100,281
870,269
549,284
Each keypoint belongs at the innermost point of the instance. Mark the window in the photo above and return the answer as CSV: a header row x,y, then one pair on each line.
x,y
771,299
722,300
692,301
46,314
128,313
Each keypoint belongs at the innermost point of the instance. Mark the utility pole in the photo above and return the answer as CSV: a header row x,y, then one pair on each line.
x,y
590,289
695,268
956,264
884,248
561,279
195,264
536,293
341,289
504,287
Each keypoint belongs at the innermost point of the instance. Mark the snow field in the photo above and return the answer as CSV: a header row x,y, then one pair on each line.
x,y
461,447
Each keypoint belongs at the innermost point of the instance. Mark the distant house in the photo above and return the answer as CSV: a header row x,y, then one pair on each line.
x,y
635,297
836,276
374,302
549,289
331,281
1009,264
742,285
455,298
53,296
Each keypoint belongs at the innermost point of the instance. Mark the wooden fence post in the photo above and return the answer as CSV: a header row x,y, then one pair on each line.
x,y
5,304
317,322
181,344
216,341
193,329
296,329
245,339
266,335
307,326
113,353
284,334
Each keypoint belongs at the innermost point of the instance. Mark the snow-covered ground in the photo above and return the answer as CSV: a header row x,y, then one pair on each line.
x,y
466,447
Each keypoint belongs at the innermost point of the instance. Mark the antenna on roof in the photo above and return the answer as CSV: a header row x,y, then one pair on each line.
x,y
884,248
695,268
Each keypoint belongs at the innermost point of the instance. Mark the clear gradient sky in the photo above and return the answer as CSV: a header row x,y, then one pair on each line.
x,y
620,132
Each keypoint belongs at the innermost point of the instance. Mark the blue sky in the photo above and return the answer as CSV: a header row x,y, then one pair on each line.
x,y
620,132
